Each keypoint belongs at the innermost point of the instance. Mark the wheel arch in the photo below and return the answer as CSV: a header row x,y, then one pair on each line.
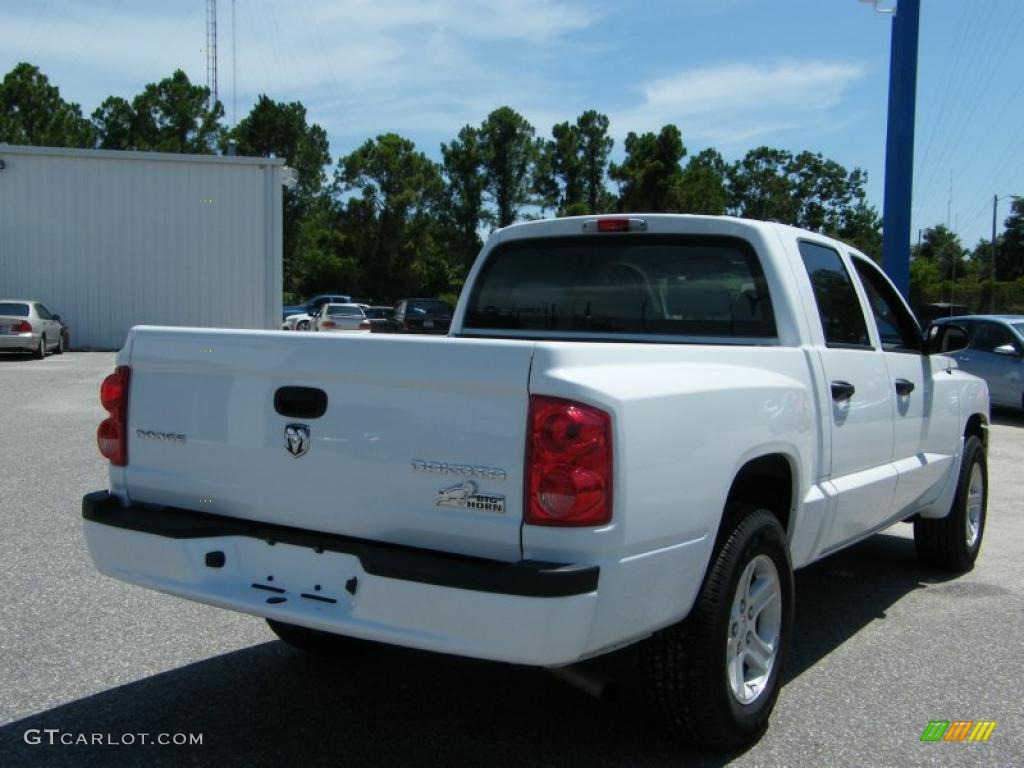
x,y
770,481
977,425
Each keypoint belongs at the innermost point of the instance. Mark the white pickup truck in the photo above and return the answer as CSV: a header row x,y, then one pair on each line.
x,y
636,429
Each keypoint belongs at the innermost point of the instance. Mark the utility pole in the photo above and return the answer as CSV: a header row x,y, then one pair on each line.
x,y
899,147
234,69
211,51
992,265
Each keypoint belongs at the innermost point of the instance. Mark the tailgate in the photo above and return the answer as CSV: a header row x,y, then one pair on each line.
x,y
421,443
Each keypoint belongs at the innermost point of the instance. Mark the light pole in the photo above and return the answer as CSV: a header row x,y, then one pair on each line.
x,y
995,204
899,141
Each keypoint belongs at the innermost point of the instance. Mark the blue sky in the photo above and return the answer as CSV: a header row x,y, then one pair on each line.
x,y
733,74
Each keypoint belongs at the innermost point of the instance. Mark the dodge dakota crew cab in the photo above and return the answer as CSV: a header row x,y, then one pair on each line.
x,y
637,427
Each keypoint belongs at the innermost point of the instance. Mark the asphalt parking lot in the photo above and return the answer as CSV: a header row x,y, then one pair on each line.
x,y
881,647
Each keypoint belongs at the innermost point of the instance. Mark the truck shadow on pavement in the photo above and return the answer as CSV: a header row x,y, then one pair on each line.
x,y
269,705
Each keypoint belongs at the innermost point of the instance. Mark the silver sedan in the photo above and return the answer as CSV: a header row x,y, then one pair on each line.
x,y
28,326
995,354
342,317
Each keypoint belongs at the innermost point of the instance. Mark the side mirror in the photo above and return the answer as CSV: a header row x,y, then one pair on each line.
x,y
944,339
1006,349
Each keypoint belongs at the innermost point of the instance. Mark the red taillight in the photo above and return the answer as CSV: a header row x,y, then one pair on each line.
x,y
569,464
364,325
328,324
613,225
23,327
112,435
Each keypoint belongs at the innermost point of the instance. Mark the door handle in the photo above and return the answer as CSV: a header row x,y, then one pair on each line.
x,y
842,390
904,387
300,402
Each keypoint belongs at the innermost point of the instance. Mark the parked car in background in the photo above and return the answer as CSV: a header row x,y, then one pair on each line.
x,y
379,318
995,354
28,326
300,322
341,317
312,306
421,316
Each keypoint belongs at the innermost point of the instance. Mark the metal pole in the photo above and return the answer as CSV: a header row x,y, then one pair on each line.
x,y
899,147
992,293
234,69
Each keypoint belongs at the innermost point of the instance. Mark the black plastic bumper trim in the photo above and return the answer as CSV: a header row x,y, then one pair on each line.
x,y
525,578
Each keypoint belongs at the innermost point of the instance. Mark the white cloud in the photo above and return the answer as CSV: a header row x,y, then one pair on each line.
x,y
735,103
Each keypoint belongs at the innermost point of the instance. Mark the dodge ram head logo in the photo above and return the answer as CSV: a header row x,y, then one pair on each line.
x,y
296,439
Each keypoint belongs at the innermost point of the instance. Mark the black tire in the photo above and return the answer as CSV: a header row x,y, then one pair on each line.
x,y
943,542
316,642
40,351
302,325
686,664
60,345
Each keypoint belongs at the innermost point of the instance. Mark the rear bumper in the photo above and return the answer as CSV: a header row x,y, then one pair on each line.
x,y
527,612
10,342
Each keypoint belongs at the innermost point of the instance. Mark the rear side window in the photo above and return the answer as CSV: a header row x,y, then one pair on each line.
x,y
12,309
611,285
345,311
842,319
428,309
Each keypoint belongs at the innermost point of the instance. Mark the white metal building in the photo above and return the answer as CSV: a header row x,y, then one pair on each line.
x,y
111,239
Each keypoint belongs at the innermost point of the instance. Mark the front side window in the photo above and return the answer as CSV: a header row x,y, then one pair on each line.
x,y
842,319
623,285
988,336
897,328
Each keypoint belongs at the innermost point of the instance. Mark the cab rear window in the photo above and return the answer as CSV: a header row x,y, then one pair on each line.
x,y
12,309
623,285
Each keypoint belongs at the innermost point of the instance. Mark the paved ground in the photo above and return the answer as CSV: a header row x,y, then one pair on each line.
x,y
881,647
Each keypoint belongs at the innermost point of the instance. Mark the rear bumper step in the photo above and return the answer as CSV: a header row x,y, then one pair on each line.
x,y
526,578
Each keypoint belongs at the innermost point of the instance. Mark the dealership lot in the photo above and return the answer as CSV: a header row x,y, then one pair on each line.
x,y
881,647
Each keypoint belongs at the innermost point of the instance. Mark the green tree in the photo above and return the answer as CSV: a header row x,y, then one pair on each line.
x,y
114,124
282,130
175,116
925,281
860,226
805,190
33,112
702,184
509,152
572,166
1010,248
388,222
760,186
941,246
650,177
595,147
463,210
559,176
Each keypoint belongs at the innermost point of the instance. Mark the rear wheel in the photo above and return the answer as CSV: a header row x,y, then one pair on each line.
x,y
715,676
316,642
953,542
60,345
40,352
